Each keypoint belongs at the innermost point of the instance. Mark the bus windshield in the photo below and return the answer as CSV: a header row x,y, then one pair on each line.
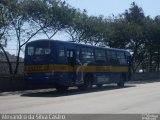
x,y
31,50
39,52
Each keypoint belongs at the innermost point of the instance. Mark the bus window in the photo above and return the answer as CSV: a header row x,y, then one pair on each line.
x,y
47,51
100,56
38,51
42,51
121,57
61,54
112,57
71,56
30,51
78,53
87,55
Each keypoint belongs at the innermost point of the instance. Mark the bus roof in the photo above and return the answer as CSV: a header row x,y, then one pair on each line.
x,y
79,44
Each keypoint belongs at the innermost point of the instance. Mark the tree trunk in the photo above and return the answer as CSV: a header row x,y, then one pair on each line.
x,y
17,62
8,61
150,61
158,60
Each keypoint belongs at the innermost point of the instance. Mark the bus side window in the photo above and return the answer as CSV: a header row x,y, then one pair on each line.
x,y
30,51
121,58
87,55
71,56
112,57
78,57
61,54
100,56
107,58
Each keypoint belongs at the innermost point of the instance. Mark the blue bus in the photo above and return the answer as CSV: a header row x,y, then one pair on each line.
x,y
63,64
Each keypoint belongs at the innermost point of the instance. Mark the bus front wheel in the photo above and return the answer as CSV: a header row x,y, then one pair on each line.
x,y
87,83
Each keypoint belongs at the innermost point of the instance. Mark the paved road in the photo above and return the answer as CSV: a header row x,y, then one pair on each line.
x,y
134,98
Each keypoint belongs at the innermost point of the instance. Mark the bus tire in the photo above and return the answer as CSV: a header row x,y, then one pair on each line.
x,y
87,83
61,88
122,81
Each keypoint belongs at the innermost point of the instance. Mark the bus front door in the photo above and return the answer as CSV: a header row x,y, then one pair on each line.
x,y
71,63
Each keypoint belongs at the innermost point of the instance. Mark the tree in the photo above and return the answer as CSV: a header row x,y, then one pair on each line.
x,y
87,29
118,34
135,14
96,30
77,28
54,15
135,21
3,41
152,43
20,25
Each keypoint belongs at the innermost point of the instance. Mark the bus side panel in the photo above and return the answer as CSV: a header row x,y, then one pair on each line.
x,y
107,77
115,77
39,79
102,77
61,78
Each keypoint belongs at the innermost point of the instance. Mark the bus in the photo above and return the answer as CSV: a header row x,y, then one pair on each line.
x,y
63,64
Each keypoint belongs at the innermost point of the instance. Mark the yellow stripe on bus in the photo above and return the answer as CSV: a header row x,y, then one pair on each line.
x,y
68,68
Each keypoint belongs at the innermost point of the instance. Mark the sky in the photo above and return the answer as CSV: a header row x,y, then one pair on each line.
x,y
109,7
105,8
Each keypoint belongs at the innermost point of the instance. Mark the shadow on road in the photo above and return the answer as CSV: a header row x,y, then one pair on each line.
x,y
51,92
72,91
144,81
